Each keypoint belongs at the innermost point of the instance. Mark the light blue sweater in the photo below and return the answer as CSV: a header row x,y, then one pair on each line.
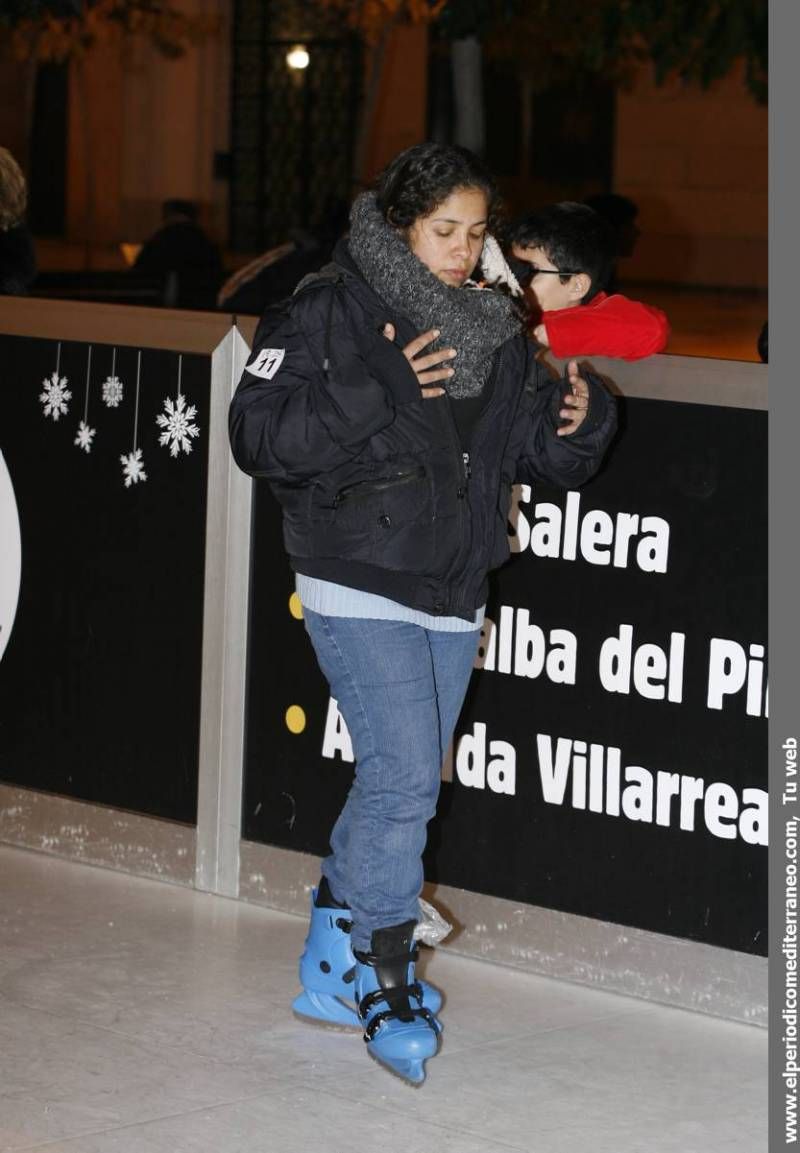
x,y
335,600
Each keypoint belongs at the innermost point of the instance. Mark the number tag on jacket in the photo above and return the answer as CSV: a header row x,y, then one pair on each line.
x,y
267,362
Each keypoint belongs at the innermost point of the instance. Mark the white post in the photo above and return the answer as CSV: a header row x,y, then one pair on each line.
x,y
227,579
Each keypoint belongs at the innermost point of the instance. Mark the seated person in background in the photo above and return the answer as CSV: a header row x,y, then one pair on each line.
x,y
182,257
275,274
569,252
620,212
17,259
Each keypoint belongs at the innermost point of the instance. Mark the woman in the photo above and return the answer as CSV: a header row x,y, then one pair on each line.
x,y
392,403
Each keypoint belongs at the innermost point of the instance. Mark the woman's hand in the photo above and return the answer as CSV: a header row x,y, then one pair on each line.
x,y
576,402
429,367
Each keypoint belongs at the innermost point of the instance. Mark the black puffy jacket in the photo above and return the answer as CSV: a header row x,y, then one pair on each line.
x,y
376,491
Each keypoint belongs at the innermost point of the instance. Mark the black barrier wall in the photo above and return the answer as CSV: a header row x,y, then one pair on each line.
x,y
611,756
100,669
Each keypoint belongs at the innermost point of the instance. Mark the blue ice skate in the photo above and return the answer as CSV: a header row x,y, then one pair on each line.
x,y
400,1031
328,968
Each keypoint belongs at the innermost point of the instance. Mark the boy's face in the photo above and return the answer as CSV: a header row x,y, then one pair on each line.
x,y
546,290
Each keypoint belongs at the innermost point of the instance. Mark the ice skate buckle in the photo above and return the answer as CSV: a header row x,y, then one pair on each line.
x,y
394,1014
391,997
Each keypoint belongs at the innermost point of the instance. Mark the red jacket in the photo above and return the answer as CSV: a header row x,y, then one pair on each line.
x,y
606,326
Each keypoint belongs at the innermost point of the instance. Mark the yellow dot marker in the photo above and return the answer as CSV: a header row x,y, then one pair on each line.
x,y
295,607
295,719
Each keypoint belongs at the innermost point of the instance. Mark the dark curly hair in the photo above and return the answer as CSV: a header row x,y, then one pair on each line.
x,y
421,178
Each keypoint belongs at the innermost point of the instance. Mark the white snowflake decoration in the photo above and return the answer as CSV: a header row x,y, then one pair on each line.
x,y
56,396
133,468
84,436
112,391
177,425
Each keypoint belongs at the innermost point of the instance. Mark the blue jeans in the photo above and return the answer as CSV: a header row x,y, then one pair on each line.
x,y
400,688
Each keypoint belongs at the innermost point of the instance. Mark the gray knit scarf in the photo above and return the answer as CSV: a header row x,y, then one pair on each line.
x,y
473,321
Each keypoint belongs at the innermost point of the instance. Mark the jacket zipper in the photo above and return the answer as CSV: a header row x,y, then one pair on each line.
x,y
465,471
465,456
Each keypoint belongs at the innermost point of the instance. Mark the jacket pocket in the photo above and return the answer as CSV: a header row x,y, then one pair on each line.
x,y
365,489
386,520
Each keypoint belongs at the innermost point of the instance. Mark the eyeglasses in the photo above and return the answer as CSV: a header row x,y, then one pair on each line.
x,y
550,271
525,271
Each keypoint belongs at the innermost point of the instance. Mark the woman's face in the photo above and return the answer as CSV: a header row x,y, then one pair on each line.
x,y
449,241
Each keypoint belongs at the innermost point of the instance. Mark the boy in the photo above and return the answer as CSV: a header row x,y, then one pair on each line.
x,y
569,251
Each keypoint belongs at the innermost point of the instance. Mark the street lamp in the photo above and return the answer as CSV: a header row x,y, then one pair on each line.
x,y
298,58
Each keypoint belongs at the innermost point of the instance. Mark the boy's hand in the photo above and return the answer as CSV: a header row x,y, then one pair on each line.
x,y
540,335
576,402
